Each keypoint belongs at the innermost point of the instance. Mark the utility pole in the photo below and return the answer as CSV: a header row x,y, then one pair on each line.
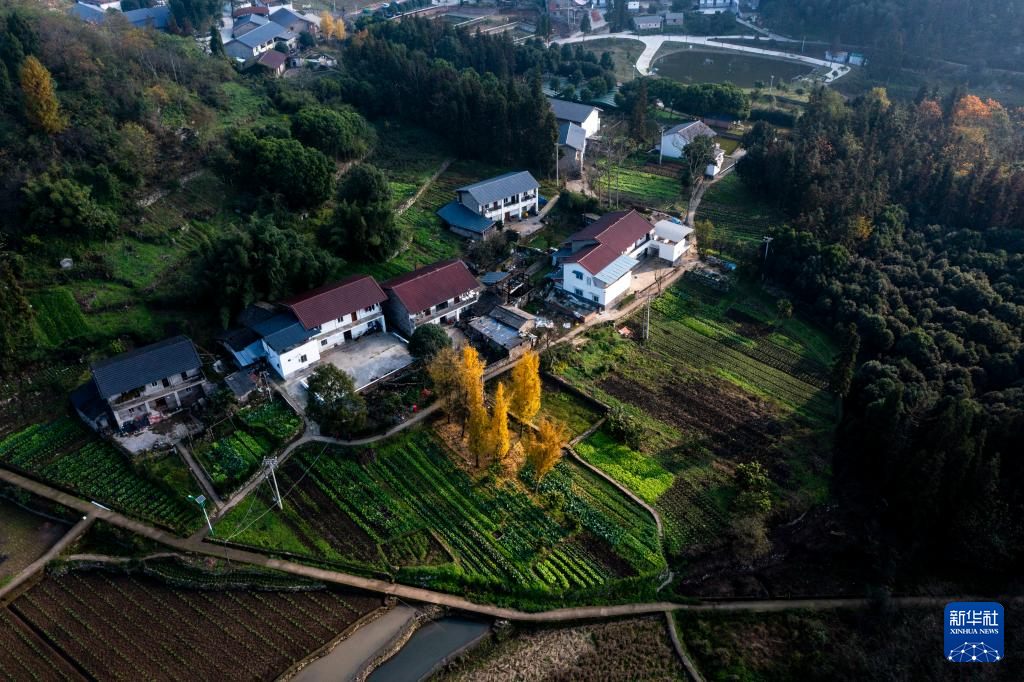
x,y
271,464
201,501
767,244
647,320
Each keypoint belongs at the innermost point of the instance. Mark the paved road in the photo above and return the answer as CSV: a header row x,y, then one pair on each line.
x,y
417,594
653,43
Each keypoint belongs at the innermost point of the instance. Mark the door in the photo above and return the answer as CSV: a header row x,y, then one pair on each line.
x,y
348,335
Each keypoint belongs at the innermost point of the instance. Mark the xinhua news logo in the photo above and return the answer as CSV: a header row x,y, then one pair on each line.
x,y
974,632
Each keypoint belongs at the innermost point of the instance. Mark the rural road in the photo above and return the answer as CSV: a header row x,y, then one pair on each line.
x,y
653,43
417,594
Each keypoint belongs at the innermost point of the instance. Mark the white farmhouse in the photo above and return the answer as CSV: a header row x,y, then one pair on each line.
x,y
598,261
479,208
583,115
678,137
672,239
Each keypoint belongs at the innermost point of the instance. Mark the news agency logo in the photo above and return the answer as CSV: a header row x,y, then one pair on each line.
x,y
974,632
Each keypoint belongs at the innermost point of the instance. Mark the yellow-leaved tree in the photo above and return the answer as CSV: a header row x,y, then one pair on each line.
x,y
479,432
445,375
526,387
544,447
499,423
471,384
327,26
339,29
41,107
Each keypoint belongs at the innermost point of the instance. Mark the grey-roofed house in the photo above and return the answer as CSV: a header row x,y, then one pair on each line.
x,y
295,22
143,386
506,330
648,22
572,143
149,17
249,22
480,208
89,13
259,40
675,140
583,115
675,19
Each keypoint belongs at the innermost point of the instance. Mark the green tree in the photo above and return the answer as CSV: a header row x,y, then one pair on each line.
x,y
333,403
260,262
342,134
585,26
696,157
364,184
63,208
704,231
428,340
216,43
194,14
363,234
300,174
15,311
845,363
41,107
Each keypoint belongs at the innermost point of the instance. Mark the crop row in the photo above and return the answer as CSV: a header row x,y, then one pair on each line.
x,y
274,418
36,445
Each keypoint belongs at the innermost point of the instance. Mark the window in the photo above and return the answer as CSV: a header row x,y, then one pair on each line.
x,y
579,292
184,375
590,281
302,358
579,275
353,317
594,296
323,342
166,382
155,383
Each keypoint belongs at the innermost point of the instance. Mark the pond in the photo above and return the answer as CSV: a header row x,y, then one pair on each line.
x,y
432,645
744,70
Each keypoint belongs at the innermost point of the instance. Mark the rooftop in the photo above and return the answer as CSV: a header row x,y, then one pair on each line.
x,y
334,301
457,215
272,59
570,111
494,189
282,332
610,237
145,365
572,135
432,284
266,33
514,317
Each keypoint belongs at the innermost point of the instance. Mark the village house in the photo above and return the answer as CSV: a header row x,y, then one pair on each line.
x,y
583,115
295,21
251,9
146,17
144,386
247,23
647,23
672,239
297,332
572,145
274,62
435,294
675,139
598,261
255,42
506,330
480,208
718,6
675,19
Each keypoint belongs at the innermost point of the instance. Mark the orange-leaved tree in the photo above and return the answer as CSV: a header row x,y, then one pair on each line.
x,y
526,387
471,383
445,374
327,24
499,423
41,107
544,448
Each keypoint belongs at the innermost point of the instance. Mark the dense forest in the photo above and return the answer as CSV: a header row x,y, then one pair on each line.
x,y
976,32
906,235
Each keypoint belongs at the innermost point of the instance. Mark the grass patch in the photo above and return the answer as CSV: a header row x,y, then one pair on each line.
x,y
58,317
577,414
640,473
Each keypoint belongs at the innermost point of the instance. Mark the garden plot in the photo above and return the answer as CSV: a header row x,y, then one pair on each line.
x,y
408,508
24,537
408,156
63,453
124,627
639,183
741,219
635,649
719,382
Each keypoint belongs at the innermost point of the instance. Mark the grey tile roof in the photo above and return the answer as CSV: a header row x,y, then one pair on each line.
x,y
269,31
144,365
283,332
149,16
89,13
691,130
572,135
500,187
570,111
457,215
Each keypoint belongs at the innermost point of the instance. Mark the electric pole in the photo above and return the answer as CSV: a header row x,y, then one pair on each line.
x,y
271,464
647,320
767,244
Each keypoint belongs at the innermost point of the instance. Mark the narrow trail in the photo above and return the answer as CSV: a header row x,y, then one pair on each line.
x,y
21,580
405,205
417,594
688,664
199,474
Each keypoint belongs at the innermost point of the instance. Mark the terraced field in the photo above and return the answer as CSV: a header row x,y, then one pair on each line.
x,y
740,218
720,381
451,532
639,182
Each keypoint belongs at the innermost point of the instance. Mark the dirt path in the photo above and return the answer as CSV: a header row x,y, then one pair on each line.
x,y
199,474
404,206
416,594
13,588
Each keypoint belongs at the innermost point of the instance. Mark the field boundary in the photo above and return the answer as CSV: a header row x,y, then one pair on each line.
x,y
407,204
22,580
677,644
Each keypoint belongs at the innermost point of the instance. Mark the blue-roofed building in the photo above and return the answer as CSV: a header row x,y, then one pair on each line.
x,y
149,17
485,205
260,39
572,144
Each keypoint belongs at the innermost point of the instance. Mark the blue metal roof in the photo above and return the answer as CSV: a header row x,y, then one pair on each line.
x,y
616,269
89,13
283,331
457,215
500,187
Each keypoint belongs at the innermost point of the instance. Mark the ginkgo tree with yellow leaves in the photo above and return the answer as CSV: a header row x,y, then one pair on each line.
x,y
544,446
526,387
41,106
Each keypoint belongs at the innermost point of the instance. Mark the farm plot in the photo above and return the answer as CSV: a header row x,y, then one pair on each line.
x,y
24,537
740,218
237,447
635,649
24,655
125,627
575,412
642,184
410,508
719,382
63,453
408,156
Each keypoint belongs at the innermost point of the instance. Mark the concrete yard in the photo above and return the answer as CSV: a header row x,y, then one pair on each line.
x,y
366,360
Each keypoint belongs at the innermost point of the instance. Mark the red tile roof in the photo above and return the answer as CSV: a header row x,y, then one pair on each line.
x,y
334,301
614,234
272,59
245,11
433,284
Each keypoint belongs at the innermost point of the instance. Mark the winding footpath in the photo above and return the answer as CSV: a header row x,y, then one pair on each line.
x,y
417,594
653,43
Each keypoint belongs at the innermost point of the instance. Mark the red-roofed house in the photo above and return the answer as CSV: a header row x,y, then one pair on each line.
x,y
598,261
435,294
273,61
251,9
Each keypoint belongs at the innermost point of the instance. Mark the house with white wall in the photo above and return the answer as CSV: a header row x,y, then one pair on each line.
x,y
260,39
141,387
673,240
676,139
296,333
436,294
583,115
598,261
481,208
